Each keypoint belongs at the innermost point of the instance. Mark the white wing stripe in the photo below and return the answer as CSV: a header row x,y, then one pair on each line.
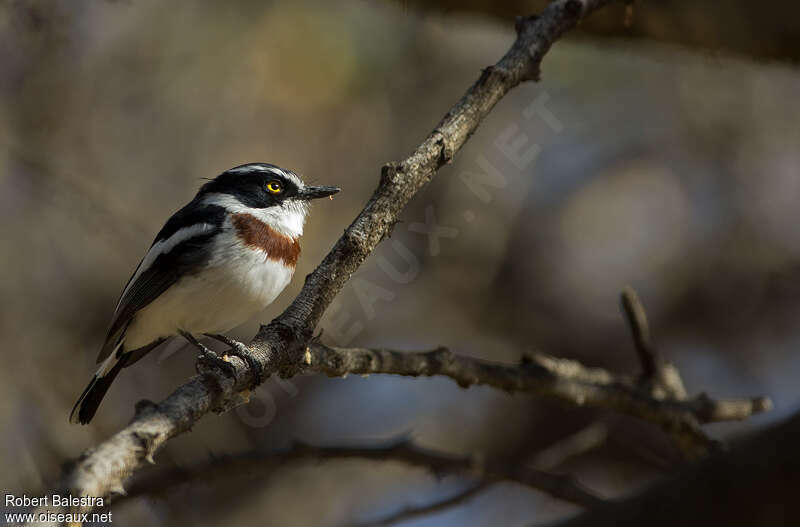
x,y
110,361
164,247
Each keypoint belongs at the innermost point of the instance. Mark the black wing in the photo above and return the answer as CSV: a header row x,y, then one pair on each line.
x,y
180,248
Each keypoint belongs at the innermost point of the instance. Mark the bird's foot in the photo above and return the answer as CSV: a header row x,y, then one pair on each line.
x,y
239,349
208,356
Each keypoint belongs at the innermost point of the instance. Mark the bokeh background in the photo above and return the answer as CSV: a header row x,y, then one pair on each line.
x,y
668,163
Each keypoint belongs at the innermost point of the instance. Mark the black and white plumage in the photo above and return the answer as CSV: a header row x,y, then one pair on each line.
x,y
216,263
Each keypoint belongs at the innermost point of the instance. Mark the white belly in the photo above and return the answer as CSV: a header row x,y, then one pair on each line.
x,y
238,283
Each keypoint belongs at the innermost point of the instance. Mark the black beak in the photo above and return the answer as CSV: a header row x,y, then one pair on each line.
x,y
309,193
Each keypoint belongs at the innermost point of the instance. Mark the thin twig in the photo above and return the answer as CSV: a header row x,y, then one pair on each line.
x,y
660,376
412,513
650,358
573,445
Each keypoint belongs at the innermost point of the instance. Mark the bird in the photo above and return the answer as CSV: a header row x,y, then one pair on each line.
x,y
216,262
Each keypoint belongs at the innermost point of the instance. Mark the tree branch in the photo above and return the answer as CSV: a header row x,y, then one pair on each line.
x,y
558,486
586,439
281,344
554,455
566,380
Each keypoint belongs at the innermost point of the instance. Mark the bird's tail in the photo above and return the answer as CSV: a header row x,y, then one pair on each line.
x,y
90,399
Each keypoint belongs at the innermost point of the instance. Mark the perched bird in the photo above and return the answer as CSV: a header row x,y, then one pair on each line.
x,y
216,263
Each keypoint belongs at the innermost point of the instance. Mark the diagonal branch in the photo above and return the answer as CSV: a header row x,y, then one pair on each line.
x,y
281,344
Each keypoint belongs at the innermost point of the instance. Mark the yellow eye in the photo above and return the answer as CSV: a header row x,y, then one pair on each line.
x,y
275,187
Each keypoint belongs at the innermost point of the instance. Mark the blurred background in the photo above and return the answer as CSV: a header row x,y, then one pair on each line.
x,y
659,150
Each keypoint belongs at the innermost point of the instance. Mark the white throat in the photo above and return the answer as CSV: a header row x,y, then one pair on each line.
x,y
287,218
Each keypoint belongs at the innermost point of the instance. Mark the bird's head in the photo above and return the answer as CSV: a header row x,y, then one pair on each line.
x,y
275,195
262,185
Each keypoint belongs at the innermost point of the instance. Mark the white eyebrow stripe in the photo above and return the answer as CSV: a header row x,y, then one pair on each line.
x,y
164,247
260,168
248,168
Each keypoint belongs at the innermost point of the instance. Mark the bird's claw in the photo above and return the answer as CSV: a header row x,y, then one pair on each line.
x,y
209,357
239,349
